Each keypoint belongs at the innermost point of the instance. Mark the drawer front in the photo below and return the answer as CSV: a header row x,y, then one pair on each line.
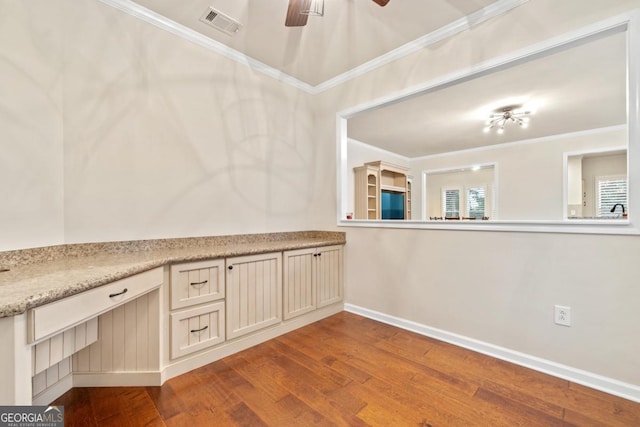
x,y
66,313
197,328
196,283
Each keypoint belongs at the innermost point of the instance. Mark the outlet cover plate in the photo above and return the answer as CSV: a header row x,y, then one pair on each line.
x,y
562,315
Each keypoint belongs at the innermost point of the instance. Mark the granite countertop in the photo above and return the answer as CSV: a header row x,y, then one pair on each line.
x,y
42,275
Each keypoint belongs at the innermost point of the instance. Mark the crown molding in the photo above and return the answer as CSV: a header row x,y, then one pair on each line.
x,y
187,33
494,9
378,150
520,142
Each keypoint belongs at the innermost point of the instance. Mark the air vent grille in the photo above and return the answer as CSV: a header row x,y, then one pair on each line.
x,y
220,21
210,16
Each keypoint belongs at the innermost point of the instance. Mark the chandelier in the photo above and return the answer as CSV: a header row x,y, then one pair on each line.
x,y
511,113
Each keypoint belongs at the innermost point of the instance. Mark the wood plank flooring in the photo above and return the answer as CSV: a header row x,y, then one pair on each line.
x,y
350,371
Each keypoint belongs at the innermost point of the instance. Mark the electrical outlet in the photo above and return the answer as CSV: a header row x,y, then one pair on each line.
x,y
562,315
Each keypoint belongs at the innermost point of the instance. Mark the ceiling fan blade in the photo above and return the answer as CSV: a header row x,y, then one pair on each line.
x,y
381,2
294,17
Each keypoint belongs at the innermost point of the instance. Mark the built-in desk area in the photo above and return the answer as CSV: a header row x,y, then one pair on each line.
x,y
141,312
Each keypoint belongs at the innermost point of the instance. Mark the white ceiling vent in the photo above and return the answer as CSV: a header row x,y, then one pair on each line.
x,y
220,21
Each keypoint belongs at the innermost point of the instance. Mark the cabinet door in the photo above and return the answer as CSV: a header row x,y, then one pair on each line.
x,y
196,282
298,282
328,275
197,328
254,293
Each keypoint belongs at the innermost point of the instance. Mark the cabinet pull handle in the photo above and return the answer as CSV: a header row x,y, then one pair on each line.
x,y
119,293
198,283
199,330
230,267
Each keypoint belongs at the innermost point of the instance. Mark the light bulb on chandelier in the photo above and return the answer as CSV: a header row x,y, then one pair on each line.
x,y
511,113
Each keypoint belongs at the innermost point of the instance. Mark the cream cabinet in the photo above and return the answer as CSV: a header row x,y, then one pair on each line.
x,y
198,319
58,316
254,293
197,328
299,284
197,282
312,279
328,275
160,323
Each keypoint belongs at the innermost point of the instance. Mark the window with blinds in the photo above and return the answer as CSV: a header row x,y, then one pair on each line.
x,y
610,190
451,203
475,202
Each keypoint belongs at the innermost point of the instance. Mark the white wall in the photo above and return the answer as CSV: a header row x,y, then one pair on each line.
x,y
529,173
114,129
31,175
498,287
164,138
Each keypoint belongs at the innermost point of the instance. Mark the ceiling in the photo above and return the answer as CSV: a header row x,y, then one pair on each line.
x,y
576,89
351,32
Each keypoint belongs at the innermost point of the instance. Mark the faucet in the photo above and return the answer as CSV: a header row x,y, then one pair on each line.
x,y
615,206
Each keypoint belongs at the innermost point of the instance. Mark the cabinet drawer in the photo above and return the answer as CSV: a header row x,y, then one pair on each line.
x,y
60,315
197,328
196,283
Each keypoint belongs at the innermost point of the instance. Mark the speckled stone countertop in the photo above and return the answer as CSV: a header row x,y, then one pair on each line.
x,y
42,275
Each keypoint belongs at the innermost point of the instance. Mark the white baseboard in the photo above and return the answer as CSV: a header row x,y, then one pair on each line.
x,y
116,379
189,363
589,379
55,391
180,366
186,364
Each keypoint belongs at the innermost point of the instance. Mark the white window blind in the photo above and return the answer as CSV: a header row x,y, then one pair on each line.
x,y
610,190
451,203
476,197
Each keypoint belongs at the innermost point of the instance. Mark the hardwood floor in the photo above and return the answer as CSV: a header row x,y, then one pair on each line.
x,y
351,371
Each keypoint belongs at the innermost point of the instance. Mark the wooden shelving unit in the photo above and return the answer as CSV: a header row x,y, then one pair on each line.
x,y
409,183
367,192
370,180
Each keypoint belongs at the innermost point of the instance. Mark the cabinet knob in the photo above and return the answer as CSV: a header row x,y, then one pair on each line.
x,y
230,267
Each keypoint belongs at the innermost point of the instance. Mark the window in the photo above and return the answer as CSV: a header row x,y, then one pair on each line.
x,y
475,202
469,203
610,191
451,202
